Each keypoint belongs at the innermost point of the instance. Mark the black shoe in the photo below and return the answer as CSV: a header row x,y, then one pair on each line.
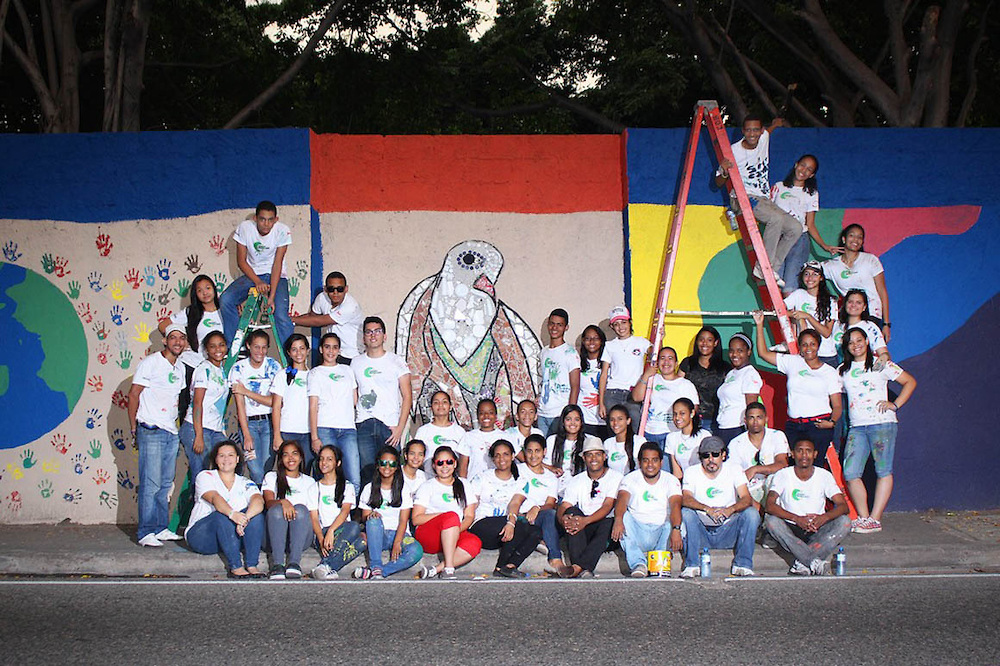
x,y
293,571
277,572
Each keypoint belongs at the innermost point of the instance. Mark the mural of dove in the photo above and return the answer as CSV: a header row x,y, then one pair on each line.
x,y
456,336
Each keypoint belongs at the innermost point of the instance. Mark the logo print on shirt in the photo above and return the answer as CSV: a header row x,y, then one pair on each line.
x,y
857,372
713,492
648,497
259,247
448,497
845,274
803,373
799,494
335,377
171,378
659,387
371,372
617,456
327,499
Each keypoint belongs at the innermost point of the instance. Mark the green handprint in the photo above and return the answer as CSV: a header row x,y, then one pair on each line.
x,y
45,488
124,359
48,263
74,289
293,287
95,449
182,288
147,301
28,459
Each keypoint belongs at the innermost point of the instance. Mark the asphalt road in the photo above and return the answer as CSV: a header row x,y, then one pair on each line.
x,y
912,620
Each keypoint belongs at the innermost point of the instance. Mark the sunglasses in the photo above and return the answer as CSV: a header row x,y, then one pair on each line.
x,y
442,463
336,290
594,488
391,464
706,456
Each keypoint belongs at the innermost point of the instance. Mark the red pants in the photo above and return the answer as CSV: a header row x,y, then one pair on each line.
x,y
429,535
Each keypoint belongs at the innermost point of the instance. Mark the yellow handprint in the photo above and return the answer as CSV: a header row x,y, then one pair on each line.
x,y
15,471
141,332
50,466
116,290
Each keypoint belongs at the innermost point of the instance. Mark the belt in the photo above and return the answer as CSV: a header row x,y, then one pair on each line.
x,y
811,419
259,417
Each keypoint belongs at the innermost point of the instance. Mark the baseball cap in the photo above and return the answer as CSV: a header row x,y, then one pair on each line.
x,y
711,444
171,328
619,312
813,265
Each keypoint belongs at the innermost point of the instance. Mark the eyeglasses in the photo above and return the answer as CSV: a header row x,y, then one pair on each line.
x,y
391,464
713,454
338,290
594,488
442,463
374,331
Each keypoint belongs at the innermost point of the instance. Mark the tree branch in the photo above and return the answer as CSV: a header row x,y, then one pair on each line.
x,y
35,77
4,8
936,114
970,68
895,11
724,40
913,110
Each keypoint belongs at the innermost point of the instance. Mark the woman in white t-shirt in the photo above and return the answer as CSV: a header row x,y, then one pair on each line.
x,y
443,511
873,424
857,269
497,523
442,430
666,386
204,424
227,513
682,445
385,508
474,447
414,475
740,388
338,538
537,499
290,400
524,425
592,342
854,313
333,393
289,496
812,306
564,450
623,445
814,403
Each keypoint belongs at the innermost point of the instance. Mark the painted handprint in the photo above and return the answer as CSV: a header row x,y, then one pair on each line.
x,y
107,499
45,488
164,297
94,418
121,339
101,477
96,281
147,301
192,264
28,459
124,359
83,309
60,444
183,286
50,466
80,464
117,288
104,244
302,269
149,275
14,501
61,268
95,383
102,353
125,481
119,399
74,289
133,278
101,329
118,315
73,496
163,313
141,332
10,252
48,263
163,269
221,280
95,449
293,287
218,244
15,471
118,439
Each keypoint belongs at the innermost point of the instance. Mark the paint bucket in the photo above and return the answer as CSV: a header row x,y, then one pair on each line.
x,y
658,563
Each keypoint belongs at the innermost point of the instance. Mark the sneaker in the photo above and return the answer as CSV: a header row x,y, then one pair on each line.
x,y
365,573
867,525
777,278
293,571
586,573
428,572
690,572
874,525
855,524
758,273
781,347
277,572
742,571
150,541
799,569
640,572
448,574
542,548
769,542
167,535
819,567
322,572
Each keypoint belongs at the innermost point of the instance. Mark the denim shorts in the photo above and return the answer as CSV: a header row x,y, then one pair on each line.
x,y
878,440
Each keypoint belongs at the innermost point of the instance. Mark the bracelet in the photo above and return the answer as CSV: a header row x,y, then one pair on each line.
x,y
231,512
675,527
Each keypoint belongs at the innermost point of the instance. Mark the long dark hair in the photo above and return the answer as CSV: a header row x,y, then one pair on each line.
x,y
291,370
338,470
823,297
557,447
396,499
281,472
219,445
716,363
513,464
584,361
457,487
629,436
695,416
848,357
196,310
842,240
809,185
865,314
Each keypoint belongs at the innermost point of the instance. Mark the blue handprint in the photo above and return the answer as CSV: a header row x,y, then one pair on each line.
x,y
80,464
125,481
116,315
163,268
73,496
149,275
93,418
10,252
118,439
96,281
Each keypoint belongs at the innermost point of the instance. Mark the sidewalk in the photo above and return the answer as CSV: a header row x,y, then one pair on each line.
x,y
930,542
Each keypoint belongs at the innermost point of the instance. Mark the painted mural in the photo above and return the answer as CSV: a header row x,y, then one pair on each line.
x,y
458,336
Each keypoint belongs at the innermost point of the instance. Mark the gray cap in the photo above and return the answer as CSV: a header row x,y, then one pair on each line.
x,y
711,444
592,444
173,327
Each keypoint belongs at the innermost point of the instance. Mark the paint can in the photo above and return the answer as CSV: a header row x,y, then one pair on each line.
x,y
658,563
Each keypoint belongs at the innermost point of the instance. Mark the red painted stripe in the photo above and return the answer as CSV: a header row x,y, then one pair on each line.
x,y
516,174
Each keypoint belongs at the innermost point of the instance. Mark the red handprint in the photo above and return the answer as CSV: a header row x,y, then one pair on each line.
x,y
60,443
162,314
104,244
96,384
83,309
101,477
119,399
218,244
133,277
101,329
102,353
14,501
61,269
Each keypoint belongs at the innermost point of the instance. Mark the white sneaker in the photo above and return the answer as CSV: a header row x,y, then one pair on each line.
x,y
428,572
151,541
690,572
777,278
819,567
742,571
167,535
758,273
322,572
640,572
448,574
542,548
780,347
799,569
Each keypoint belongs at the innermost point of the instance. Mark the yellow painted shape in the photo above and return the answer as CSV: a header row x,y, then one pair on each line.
x,y
705,233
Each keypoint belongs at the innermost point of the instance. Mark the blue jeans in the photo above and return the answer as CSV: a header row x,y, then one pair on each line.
x,y
738,533
236,293
305,441
198,461
548,424
348,543
296,533
820,437
797,256
623,397
215,532
877,440
260,431
157,462
345,439
546,520
727,434
372,434
381,539
660,440
640,538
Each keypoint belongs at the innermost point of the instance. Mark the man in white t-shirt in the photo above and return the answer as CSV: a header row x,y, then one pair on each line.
x,y
559,369
337,312
759,452
796,512
751,153
585,511
648,510
152,416
261,245
384,397
718,512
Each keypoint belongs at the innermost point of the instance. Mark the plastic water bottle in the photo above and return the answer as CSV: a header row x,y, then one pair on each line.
x,y
734,225
840,563
706,563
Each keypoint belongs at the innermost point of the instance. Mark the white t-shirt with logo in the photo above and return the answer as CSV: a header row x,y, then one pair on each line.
x,y
865,388
626,357
333,386
210,377
349,319
294,401
390,514
745,455
860,276
589,397
753,164
257,380
437,497
261,249
739,382
555,366
803,301
238,497
809,389
378,387
476,445
434,436
210,321
162,382
536,488
494,493
876,341
804,497
661,402
618,457
410,485
514,436
684,448
325,500
578,491
718,492
301,489
649,503
795,201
